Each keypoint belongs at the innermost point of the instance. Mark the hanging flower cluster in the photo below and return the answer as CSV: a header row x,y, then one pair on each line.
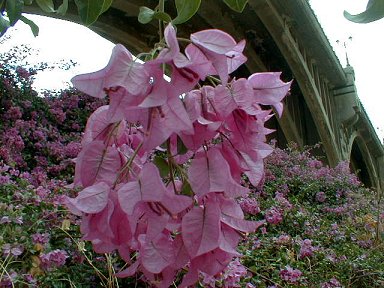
x,y
161,165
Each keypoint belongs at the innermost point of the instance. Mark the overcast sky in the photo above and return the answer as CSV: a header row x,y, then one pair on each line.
x,y
365,51
65,40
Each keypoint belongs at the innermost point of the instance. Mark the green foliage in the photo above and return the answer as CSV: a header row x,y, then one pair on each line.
x,y
14,9
162,165
90,10
145,15
185,10
31,24
236,5
63,8
329,209
46,5
373,12
4,24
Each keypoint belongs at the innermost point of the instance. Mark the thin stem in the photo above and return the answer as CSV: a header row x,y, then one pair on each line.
x,y
161,23
81,249
213,80
112,280
127,165
170,164
6,262
378,218
142,54
46,216
263,277
114,130
181,39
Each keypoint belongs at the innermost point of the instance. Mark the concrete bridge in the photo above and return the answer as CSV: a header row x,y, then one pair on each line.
x,y
281,36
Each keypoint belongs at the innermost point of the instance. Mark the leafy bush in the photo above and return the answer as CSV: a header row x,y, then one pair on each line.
x,y
321,226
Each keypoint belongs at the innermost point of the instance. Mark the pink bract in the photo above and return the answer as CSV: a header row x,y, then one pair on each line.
x,y
269,89
221,49
122,70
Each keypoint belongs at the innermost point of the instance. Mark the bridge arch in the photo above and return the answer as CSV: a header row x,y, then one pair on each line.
x,y
361,162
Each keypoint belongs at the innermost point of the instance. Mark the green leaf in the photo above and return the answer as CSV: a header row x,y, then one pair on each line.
x,y
162,165
162,16
181,148
185,10
236,5
145,15
28,2
373,12
46,5
32,25
186,189
106,5
4,25
90,10
63,8
14,9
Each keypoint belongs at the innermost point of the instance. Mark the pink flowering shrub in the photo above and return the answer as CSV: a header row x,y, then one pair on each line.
x,y
320,226
40,135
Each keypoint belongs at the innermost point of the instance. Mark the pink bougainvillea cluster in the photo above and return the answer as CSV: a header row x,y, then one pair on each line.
x,y
161,165
39,135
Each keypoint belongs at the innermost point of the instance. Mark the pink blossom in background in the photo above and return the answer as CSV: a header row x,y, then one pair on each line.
x,y
283,239
5,219
321,197
41,238
55,258
273,216
250,206
306,248
233,274
290,275
13,113
14,250
332,283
